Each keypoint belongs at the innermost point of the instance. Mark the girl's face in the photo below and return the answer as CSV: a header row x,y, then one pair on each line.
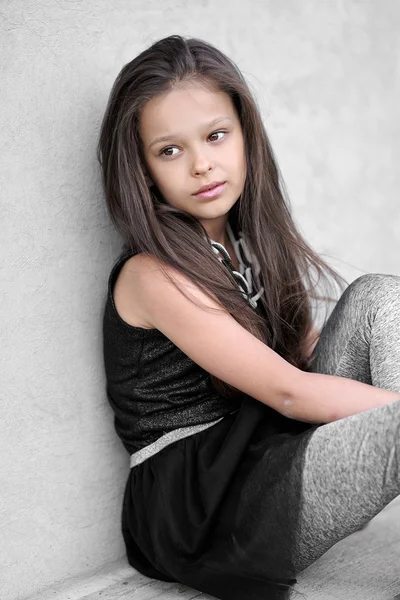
x,y
195,151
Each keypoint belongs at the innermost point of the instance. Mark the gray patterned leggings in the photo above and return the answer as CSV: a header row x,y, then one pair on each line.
x,y
352,466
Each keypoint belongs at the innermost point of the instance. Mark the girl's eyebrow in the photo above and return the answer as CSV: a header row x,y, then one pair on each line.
x,y
170,136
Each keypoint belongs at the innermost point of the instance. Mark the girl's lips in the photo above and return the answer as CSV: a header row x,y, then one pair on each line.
x,y
215,191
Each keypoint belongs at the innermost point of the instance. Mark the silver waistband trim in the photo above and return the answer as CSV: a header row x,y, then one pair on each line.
x,y
166,439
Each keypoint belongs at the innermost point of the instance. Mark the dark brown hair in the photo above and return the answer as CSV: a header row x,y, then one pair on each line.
x,y
262,213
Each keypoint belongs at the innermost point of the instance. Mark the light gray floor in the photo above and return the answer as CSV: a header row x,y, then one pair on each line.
x,y
363,566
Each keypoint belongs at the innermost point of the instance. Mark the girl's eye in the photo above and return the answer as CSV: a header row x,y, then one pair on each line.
x,y
165,149
162,152
215,132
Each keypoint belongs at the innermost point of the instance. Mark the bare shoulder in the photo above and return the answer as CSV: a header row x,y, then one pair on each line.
x,y
125,293
142,283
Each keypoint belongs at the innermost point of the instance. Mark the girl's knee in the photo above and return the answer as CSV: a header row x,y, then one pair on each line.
x,y
375,285
369,293
370,279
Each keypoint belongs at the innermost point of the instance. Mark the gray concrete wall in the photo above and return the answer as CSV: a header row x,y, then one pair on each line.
x,y
326,73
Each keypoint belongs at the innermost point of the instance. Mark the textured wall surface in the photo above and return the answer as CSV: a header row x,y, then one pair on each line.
x,y
327,77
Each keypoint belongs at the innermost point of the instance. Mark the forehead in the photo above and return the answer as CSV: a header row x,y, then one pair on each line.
x,y
183,110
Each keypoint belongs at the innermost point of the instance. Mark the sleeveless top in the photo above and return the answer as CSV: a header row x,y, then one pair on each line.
x,y
157,393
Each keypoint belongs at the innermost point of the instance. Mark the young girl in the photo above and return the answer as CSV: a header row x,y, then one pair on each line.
x,y
253,450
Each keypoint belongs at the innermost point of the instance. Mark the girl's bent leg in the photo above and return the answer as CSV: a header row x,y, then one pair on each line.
x,y
351,471
351,468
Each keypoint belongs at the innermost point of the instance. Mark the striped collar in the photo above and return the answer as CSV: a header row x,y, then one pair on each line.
x,y
247,262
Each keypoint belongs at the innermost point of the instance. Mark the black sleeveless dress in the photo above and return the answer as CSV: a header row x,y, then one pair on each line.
x,y
217,509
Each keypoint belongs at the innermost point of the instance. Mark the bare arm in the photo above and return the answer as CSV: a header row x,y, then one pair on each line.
x,y
324,398
222,347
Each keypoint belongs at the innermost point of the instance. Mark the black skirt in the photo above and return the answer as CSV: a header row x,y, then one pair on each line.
x,y
218,510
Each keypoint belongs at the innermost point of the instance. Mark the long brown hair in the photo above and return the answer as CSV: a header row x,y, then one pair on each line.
x,y
149,224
